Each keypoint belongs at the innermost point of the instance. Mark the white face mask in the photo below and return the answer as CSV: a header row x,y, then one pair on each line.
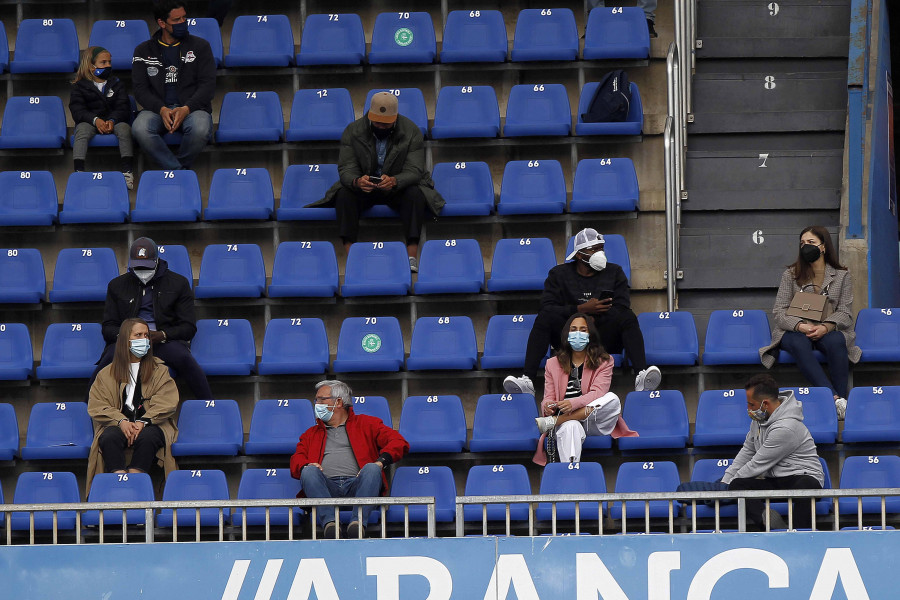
x,y
598,260
145,275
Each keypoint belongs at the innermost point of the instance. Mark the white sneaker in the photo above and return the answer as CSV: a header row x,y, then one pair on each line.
x,y
545,424
129,179
413,264
840,405
647,380
518,385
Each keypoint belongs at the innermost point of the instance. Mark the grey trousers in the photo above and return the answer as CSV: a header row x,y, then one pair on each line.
x,y
85,131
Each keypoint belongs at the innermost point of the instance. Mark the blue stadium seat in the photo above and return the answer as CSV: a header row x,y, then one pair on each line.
x,y
240,194
45,46
632,124
82,274
250,117
712,469
474,36
616,33
276,425
267,484
320,114
9,432
304,269
545,34
224,346
332,39
734,337
605,184
302,185
878,334
616,251
376,269
206,484
466,111
178,260
209,428
571,478
369,344
532,187
540,109
467,188
870,472
504,422
637,477
120,38
95,198
167,196
433,424
521,264
411,104
293,346
33,122
819,414
374,406
434,481
16,357
4,49
29,198
497,480
208,29
505,341
70,350
450,267
670,338
231,271
721,418
261,41
58,430
660,417
22,276
403,37
873,415
37,487
119,487
442,343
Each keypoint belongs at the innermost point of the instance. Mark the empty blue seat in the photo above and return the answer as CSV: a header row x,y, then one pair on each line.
x,y
304,269
82,274
16,357
637,477
250,117
411,104
320,114
539,109
734,337
660,417
9,432
224,346
294,346
497,480
403,37
58,430
231,271
505,341
878,334
56,487
302,185
276,425
712,469
450,267
369,344
632,124
120,38
377,269
119,487
616,251
22,276
209,428
267,484
616,33
467,188
870,472
545,34
434,481
467,111
873,414
70,350
332,39
208,29
819,414
167,196
474,36
605,184
240,194
571,478
195,484
178,260
670,338
504,422
442,343
433,423
95,198
374,406
33,122
29,198
261,41
532,187
4,50
521,264
721,418
45,46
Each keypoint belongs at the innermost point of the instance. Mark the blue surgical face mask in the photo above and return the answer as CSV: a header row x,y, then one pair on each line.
x,y
139,347
759,415
324,412
180,30
579,340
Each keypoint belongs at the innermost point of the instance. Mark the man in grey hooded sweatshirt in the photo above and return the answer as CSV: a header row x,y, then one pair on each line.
x,y
778,454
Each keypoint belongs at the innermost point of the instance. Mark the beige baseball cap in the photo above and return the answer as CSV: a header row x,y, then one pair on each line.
x,y
383,108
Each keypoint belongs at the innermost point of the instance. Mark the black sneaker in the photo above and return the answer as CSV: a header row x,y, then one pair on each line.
x,y
651,29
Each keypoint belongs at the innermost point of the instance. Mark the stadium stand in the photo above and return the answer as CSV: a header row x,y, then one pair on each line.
x,y
275,424
649,476
100,197
504,422
332,39
29,198
375,406
881,471
545,34
240,194
22,276
209,428
205,484
670,338
403,37
734,337
467,188
572,478
660,417
872,415
49,487
45,46
9,432
250,117
369,344
434,481
70,350
58,430
209,30
521,264
294,345
231,271
450,267
615,33
266,484
33,122
504,341
497,480
16,356
433,424
302,185
442,343
474,36
539,109
467,111
261,41
878,334
224,346
532,187
605,184
167,196
120,37
119,487
721,419
377,269
319,114
304,269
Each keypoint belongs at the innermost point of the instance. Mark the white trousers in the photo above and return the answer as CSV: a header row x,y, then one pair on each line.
x,y
570,435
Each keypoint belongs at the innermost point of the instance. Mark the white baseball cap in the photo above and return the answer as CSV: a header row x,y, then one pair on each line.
x,y
585,239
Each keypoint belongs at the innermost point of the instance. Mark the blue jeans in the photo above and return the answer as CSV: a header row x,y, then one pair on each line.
x,y
365,485
196,129
833,346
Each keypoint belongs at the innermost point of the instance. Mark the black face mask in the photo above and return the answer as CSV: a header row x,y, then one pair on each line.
x,y
381,133
810,253
103,73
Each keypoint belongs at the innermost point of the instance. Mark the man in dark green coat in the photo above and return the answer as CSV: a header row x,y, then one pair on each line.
x,y
382,161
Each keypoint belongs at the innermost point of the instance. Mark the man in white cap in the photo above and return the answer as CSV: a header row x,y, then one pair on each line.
x,y
591,286
382,161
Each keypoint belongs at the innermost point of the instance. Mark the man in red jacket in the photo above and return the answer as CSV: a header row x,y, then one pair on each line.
x,y
344,455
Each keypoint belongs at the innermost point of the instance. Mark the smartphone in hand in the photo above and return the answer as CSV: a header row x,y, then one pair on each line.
x,y
606,295
376,179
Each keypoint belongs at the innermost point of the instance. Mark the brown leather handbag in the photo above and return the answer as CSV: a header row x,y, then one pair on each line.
x,y
809,306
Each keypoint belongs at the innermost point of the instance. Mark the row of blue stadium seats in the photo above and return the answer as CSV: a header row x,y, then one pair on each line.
x,y
51,45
